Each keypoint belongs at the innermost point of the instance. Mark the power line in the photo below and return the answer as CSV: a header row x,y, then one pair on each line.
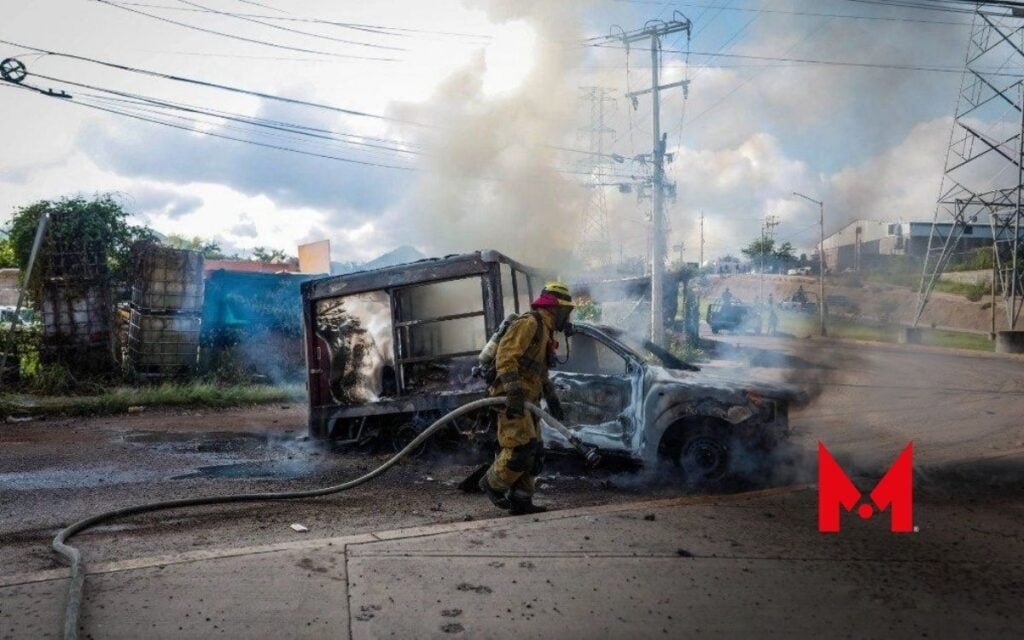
x,y
937,5
812,61
261,5
289,29
399,32
214,85
246,141
184,127
243,38
253,121
813,14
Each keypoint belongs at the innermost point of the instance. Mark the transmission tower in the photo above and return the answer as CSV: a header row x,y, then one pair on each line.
x,y
595,241
983,183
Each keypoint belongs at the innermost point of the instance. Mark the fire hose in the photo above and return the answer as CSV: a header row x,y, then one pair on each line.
x,y
74,557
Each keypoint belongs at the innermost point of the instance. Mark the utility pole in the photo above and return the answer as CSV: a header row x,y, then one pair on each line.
x,y
679,247
767,231
701,263
821,260
653,32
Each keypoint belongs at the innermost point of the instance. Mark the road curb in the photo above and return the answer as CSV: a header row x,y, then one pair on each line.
x,y
391,535
896,346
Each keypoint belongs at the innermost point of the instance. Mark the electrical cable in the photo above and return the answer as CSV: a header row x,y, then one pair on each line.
x,y
333,145
213,85
192,129
289,29
380,165
813,14
261,5
74,557
251,120
233,36
401,32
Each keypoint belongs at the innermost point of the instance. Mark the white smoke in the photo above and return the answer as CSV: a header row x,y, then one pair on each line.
x,y
490,177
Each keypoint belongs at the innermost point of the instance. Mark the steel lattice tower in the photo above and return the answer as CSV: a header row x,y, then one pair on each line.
x,y
983,182
595,242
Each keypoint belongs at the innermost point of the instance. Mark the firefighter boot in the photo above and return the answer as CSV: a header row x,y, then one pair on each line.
x,y
521,503
497,498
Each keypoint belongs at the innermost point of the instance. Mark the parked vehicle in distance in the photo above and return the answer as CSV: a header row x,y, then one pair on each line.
x,y
27,317
799,271
808,303
733,315
391,350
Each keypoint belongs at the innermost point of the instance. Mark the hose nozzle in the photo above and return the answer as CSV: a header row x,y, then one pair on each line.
x,y
592,457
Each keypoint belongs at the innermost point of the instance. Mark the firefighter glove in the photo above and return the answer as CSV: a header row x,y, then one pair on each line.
x,y
516,407
554,405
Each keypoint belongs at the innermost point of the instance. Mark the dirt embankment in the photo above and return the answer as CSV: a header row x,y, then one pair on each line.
x,y
872,301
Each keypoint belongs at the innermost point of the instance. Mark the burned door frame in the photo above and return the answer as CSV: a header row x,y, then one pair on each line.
x,y
621,437
401,327
487,265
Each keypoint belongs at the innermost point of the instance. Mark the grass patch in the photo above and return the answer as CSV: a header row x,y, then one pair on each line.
x,y
119,399
801,325
972,291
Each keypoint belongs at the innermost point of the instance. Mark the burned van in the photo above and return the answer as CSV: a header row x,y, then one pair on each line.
x,y
391,350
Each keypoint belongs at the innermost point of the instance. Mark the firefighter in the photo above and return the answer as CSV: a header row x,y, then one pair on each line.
x,y
773,317
525,353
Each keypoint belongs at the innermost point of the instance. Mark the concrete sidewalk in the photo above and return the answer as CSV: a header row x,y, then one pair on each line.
x,y
733,566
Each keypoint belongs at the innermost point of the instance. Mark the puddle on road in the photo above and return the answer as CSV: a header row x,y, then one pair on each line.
x,y
249,470
54,478
179,456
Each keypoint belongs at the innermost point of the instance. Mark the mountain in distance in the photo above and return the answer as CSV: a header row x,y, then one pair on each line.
x,y
401,255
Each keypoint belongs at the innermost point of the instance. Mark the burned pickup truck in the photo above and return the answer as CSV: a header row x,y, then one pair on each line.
x,y
392,349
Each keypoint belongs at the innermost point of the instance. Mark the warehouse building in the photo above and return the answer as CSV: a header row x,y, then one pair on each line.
x,y
864,244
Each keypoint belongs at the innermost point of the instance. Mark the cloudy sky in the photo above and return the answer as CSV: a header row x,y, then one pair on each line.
x,y
454,116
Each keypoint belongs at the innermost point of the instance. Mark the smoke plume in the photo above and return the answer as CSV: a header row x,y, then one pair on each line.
x,y
490,177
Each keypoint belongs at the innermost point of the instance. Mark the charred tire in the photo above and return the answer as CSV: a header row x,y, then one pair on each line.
x,y
699,449
403,436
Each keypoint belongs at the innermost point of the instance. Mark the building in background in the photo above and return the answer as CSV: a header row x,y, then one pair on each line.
x,y
864,244
251,266
9,287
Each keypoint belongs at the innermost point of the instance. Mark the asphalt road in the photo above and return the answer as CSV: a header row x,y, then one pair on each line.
x,y
962,411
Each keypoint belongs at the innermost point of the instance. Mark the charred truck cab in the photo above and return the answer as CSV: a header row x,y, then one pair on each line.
x,y
392,349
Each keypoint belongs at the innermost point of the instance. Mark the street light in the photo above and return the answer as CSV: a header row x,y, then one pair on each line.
x,y
821,259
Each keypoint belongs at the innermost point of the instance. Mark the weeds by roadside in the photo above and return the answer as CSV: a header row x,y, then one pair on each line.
x,y
119,399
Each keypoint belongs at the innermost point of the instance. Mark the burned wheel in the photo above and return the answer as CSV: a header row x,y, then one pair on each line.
x,y
699,449
704,457
403,436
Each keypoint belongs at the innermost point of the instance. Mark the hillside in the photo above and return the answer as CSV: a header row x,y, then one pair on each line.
x,y
873,301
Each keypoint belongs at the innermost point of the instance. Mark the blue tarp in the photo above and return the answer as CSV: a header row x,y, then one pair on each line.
x,y
252,301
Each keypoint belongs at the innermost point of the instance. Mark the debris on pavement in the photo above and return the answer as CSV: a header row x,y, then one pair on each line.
x,y
299,528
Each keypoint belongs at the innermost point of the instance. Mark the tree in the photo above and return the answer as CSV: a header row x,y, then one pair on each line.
x,y
784,253
263,254
759,247
7,259
81,229
209,248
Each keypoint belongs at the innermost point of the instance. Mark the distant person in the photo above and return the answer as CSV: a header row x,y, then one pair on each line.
x,y
800,295
727,297
773,318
